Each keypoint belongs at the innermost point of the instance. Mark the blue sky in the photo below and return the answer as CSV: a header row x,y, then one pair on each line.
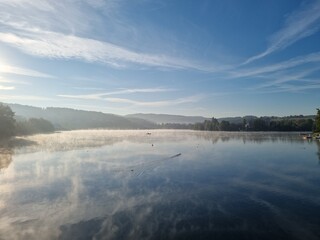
x,y
207,57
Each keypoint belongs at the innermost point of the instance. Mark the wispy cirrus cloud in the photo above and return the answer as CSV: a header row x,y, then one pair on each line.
x,y
303,87
24,98
46,35
41,5
11,81
105,97
291,63
60,46
4,68
282,77
2,87
289,88
274,78
63,16
164,103
298,25
3,80
101,95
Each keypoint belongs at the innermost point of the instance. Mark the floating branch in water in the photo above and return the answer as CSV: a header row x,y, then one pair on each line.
x,y
141,168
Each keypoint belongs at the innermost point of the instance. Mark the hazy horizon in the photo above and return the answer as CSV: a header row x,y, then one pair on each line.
x,y
192,58
153,113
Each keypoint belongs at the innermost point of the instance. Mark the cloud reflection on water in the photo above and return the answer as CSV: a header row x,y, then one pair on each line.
x,y
80,185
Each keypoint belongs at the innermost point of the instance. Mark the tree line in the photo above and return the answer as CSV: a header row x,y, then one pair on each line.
x,y
9,127
262,124
317,122
284,124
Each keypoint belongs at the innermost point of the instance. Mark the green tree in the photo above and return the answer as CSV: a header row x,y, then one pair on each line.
x,y
260,125
244,124
317,121
34,126
215,124
198,126
7,122
207,125
225,126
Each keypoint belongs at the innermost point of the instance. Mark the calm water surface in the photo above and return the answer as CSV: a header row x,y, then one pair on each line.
x,y
163,185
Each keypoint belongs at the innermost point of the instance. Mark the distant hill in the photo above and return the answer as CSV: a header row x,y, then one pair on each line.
x,y
166,118
70,119
141,123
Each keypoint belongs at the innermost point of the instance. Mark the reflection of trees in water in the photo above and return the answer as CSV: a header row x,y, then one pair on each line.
x,y
254,137
6,149
318,153
5,153
74,140
5,157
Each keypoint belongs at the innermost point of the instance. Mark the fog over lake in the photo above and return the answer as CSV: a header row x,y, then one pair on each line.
x,y
160,184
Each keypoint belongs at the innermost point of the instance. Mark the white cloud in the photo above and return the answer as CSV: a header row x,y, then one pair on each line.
x,y
105,5
61,46
291,63
22,71
64,16
6,80
102,97
6,87
57,29
2,80
41,5
291,88
23,97
122,91
298,25
274,78
171,102
285,76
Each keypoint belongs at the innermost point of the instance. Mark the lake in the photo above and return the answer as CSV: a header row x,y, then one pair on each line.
x,y
160,184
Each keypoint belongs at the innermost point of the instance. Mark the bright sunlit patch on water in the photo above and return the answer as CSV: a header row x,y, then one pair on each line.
x,y
164,185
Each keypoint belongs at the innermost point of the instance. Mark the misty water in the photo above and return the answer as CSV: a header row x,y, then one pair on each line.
x,y
160,185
